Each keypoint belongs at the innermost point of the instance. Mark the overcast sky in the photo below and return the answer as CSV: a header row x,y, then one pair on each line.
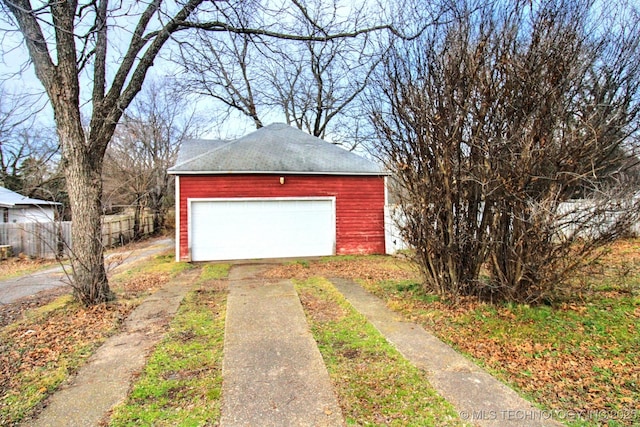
x,y
19,76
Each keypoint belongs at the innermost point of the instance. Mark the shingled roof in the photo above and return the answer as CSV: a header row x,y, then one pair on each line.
x,y
276,148
11,199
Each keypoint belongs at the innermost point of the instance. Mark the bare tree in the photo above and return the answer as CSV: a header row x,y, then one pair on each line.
x,y
426,133
493,123
79,36
112,46
28,150
38,171
144,146
312,85
13,115
224,68
573,114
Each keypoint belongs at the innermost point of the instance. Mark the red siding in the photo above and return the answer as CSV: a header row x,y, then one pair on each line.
x,y
359,203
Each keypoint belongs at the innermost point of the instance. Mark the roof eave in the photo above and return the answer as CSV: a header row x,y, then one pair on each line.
x,y
379,173
43,203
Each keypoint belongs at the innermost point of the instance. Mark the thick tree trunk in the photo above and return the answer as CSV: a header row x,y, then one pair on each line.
x,y
84,184
89,275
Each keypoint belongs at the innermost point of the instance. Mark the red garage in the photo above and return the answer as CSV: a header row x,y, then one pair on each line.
x,y
277,192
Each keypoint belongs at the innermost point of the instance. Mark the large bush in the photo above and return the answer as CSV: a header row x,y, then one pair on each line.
x,y
496,120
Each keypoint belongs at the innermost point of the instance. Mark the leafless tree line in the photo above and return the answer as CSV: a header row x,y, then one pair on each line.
x,y
145,144
27,148
493,121
314,85
143,147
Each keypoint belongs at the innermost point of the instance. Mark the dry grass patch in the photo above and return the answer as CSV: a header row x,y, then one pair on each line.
x,y
370,268
320,309
50,344
43,344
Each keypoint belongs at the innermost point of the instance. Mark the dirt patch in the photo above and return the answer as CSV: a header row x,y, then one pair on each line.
x,y
375,269
142,283
319,309
350,353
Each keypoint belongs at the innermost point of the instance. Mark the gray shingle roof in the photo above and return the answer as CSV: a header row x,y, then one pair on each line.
x,y
274,148
9,199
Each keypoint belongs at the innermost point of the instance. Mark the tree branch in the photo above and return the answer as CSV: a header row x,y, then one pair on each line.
x,y
35,41
225,27
100,67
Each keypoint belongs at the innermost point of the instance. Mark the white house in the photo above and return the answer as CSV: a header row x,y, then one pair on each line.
x,y
16,208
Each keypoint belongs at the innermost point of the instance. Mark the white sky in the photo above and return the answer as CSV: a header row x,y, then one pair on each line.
x,y
19,77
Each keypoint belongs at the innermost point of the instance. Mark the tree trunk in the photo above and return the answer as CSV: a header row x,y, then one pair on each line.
x,y
84,183
158,221
137,216
156,201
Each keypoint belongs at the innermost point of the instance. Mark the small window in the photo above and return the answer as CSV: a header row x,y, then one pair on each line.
x,y
5,215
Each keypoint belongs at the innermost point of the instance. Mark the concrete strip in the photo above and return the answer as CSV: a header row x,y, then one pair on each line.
x,y
479,397
105,380
273,373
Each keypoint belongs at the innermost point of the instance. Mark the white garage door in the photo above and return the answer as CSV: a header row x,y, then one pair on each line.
x,y
248,228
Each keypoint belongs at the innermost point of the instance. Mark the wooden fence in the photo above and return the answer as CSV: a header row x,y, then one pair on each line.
x,y
48,239
118,229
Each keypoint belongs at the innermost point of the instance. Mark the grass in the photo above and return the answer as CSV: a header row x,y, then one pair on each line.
x,y
214,272
577,358
51,342
160,264
374,383
182,381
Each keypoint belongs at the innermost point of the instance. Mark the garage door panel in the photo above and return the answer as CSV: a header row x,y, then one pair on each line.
x,y
244,229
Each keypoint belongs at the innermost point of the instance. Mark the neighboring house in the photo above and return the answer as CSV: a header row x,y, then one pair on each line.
x,y
16,208
277,192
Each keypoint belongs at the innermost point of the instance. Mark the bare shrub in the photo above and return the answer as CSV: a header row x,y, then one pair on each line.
x,y
493,123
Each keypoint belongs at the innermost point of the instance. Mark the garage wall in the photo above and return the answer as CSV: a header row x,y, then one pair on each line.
x,y
359,203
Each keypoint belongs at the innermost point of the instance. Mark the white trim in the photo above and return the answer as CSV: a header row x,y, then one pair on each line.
x,y
386,191
191,200
259,199
177,207
231,173
387,226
